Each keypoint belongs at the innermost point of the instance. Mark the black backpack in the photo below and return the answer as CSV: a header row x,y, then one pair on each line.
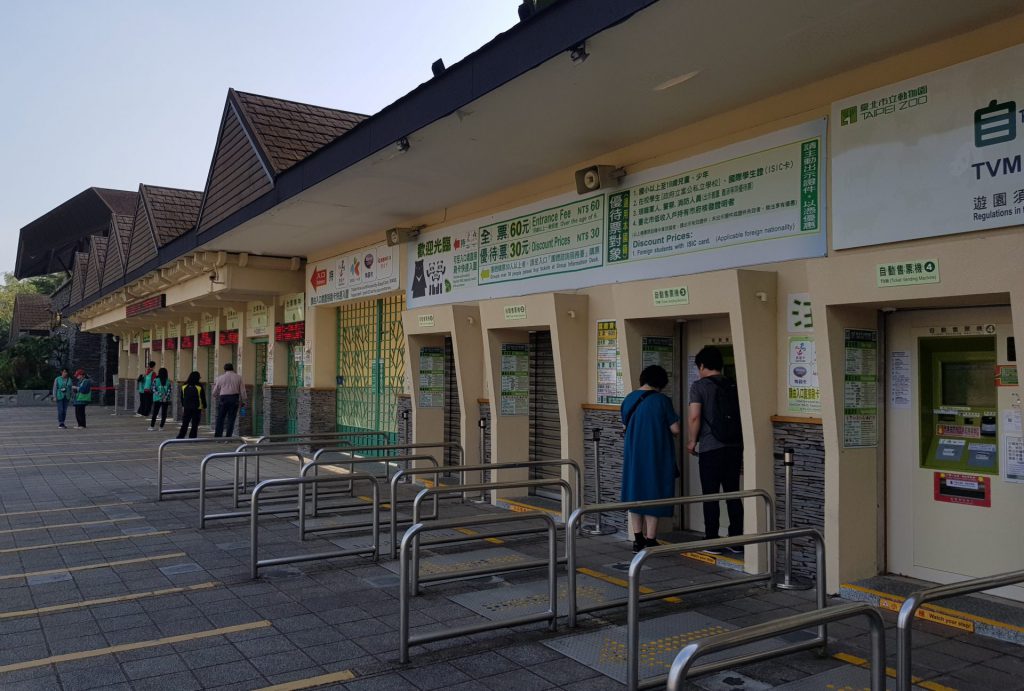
x,y
724,417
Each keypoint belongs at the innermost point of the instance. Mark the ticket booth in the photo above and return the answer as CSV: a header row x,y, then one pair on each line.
x,y
954,460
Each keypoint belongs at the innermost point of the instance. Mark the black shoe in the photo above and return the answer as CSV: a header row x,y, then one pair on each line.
x,y
651,542
638,545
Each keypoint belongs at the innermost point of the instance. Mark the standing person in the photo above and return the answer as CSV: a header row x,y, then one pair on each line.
x,y
162,388
193,403
649,468
62,396
230,392
83,396
716,438
146,397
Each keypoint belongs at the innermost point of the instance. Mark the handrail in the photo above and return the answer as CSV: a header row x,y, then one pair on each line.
x,y
410,542
288,441
393,498
568,497
576,519
256,564
318,435
160,463
468,469
682,665
636,566
236,455
905,622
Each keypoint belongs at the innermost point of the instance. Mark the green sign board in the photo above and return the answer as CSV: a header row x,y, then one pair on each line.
x,y
907,273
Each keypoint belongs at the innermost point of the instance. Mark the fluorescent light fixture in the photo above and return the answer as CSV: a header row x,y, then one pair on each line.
x,y
676,81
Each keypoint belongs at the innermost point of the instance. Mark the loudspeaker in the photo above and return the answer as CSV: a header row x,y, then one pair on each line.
x,y
398,236
598,177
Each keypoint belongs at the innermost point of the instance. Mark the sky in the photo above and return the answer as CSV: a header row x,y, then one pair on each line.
x,y
111,93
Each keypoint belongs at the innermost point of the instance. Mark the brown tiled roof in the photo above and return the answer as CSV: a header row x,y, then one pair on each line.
x,y
31,311
288,131
94,271
119,201
173,212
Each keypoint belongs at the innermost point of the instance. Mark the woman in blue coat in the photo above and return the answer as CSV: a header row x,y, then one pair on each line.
x,y
649,468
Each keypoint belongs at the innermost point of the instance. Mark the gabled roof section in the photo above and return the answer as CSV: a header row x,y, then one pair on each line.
x,y
94,271
49,243
172,212
31,313
117,242
259,138
289,132
78,275
142,242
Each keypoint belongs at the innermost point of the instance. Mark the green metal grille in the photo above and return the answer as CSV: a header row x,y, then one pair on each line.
x,y
371,366
295,372
257,389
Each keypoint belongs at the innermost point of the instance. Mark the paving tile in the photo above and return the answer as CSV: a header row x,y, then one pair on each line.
x,y
230,673
436,676
386,682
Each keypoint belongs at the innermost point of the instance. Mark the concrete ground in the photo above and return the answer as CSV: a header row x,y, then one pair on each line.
x,y
102,586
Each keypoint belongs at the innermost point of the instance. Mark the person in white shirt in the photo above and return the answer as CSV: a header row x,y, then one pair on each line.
x,y
229,391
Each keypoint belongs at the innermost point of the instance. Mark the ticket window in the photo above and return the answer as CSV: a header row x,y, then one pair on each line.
x,y
959,404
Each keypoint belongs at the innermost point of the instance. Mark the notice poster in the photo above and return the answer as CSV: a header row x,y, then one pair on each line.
x,y
515,379
899,379
860,389
658,350
609,364
804,394
960,488
431,377
363,273
1013,459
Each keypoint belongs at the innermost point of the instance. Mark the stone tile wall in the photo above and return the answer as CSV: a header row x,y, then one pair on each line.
x,y
275,409
317,410
808,444
610,449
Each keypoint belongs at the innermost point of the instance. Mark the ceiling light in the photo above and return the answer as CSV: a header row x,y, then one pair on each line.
x,y
676,81
578,53
402,145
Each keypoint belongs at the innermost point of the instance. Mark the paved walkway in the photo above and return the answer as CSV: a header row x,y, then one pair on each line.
x,y
101,586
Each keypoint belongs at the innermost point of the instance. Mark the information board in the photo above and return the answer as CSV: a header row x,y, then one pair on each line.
x,y
860,389
610,389
515,379
431,377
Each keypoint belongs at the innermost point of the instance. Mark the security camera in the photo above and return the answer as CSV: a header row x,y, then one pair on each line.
x,y
213,276
594,178
397,236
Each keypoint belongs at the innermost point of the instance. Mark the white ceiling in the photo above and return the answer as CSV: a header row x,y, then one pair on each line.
x,y
562,114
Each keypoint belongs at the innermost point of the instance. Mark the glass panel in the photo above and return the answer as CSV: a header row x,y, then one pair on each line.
x,y
968,384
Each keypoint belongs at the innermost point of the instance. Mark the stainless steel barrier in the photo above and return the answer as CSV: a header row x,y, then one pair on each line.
x,y
410,544
636,566
296,441
682,666
236,456
567,499
319,435
471,468
198,441
256,563
905,622
392,500
576,519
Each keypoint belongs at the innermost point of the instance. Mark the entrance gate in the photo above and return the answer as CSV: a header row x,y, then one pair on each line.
x,y
371,366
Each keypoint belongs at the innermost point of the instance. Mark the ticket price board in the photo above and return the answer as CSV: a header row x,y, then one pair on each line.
x,y
206,338
187,342
229,337
290,332
170,344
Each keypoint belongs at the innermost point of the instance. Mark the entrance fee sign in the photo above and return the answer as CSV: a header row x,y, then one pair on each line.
x,y
753,202
860,389
515,379
934,155
431,377
366,272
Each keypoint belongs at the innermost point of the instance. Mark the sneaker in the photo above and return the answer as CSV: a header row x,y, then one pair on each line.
x,y
151,429
651,542
714,550
79,427
139,415
734,550
638,545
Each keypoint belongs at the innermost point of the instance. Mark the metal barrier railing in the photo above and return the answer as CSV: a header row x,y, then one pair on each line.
x,y
636,566
576,519
316,436
905,622
297,441
410,543
254,512
236,456
161,492
568,498
471,468
682,666
392,499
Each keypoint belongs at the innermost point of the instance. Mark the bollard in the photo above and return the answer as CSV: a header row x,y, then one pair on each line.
x,y
788,582
406,419
485,476
598,527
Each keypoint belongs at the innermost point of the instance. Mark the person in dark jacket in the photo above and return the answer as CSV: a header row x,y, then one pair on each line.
x,y
193,403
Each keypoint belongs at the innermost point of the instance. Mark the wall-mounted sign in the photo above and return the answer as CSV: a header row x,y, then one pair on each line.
x,y
1006,375
363,273
956,133
258,323
173,330
133,348
799,317
1013,455
960,488
658,350
860,389
206,338
290,332
753,202
170,344
515,379
146,337
425,321
187,342
209,323
515,312
431,377
664,297
232,319
294,308
191,328
907,273
159,334
229,337
157,345
148,305
610,389
804,394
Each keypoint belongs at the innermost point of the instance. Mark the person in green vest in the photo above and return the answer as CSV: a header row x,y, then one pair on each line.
x,y
62,396
161,387
83,396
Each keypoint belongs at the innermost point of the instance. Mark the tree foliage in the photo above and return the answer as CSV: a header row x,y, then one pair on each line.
x,y
44,285
28,363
